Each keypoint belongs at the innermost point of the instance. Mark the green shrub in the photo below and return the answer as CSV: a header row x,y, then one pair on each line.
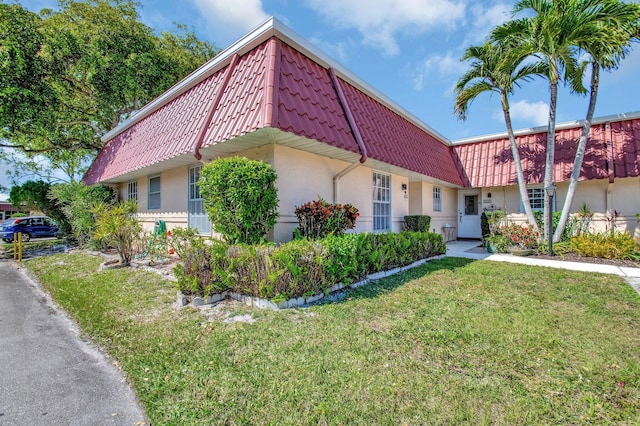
x,y
300,267
608,245
181,240
118,227
572,227
317,219
76,202
417,223
240,198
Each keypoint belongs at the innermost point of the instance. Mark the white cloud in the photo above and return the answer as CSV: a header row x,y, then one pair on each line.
x,y
231,19
484,19
437,67
379,21
534,114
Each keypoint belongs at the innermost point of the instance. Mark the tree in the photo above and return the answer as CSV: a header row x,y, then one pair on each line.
x,y
34,195
499,69
69,76
240,197
554,32
606,48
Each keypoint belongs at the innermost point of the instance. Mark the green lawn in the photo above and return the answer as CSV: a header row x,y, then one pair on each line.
x,y
454,341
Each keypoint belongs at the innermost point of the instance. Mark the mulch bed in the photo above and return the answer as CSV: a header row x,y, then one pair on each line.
x,y
572,257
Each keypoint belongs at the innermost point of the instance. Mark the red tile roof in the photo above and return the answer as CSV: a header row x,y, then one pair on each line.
x,y
274,85
489,162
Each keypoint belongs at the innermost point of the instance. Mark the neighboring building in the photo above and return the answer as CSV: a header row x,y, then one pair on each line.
x,y
274,97
609,182
7,209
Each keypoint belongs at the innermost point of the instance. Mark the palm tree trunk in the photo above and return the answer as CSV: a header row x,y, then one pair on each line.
x,y
551,142
580,151
522,185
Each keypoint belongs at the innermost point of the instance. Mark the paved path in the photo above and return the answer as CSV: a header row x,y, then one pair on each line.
x,y
471,250
48,375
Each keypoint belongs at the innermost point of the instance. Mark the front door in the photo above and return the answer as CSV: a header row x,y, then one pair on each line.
x,y
469,214
196,218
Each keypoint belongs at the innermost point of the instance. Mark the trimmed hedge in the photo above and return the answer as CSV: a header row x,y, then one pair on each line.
x,y
417,223
300,267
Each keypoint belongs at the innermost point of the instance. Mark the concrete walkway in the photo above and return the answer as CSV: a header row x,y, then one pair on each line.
x,y
474,250
48,375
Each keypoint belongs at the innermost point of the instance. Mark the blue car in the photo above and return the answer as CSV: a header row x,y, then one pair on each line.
x,y
30,226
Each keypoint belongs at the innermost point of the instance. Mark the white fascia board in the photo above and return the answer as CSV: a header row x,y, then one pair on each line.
x,y
267,29
542,129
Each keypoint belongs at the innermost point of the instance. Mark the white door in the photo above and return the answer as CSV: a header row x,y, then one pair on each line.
x,y
469,214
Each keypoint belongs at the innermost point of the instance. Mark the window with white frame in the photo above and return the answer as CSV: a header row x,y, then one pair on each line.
x,y
132,190
437,199
536,198
153,201
197,218
381,202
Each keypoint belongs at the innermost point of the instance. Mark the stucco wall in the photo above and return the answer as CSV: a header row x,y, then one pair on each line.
x,y
601,197
304,177
421,202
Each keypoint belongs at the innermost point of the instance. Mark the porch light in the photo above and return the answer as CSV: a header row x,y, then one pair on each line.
x,y
551,192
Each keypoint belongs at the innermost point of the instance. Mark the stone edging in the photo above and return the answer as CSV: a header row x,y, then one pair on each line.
x,y
182,300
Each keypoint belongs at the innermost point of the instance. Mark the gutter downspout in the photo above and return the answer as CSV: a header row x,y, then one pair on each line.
x,y
608,140
214,106
356,134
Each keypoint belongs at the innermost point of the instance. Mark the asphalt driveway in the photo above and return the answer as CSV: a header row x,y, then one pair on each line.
x,y
48,374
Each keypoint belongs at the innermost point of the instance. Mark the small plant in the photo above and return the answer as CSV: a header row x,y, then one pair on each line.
x,y
118,227
318,218
612,219
584,216
181,240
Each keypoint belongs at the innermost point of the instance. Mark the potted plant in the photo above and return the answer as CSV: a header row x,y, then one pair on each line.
x,y
497,243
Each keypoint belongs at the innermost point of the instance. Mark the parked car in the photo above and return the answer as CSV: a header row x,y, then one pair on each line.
x,y
30,226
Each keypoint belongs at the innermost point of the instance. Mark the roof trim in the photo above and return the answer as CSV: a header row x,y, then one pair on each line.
x,y
214,105
349,115
271,27
543,129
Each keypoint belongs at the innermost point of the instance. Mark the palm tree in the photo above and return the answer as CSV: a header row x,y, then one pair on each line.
x,y
552,34
610,42
497,69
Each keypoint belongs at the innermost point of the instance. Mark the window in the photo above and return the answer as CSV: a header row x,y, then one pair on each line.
x,y
437,199
196,216
153,202
536,198
132,191
381,202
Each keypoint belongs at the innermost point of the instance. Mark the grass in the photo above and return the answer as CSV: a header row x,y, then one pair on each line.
x,y
454,341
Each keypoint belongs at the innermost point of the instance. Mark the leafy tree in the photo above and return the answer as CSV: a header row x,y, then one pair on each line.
x,y
69,76
34,195
240,197
496,68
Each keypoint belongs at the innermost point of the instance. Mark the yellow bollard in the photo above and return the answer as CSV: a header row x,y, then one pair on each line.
x,y
20,247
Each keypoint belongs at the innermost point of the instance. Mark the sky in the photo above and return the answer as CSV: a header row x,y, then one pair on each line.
x,y
407,49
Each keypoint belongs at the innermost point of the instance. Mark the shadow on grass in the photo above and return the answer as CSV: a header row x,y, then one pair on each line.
x,y
389,284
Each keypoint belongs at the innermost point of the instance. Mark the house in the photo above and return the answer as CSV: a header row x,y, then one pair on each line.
x,y
609,182
272,96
